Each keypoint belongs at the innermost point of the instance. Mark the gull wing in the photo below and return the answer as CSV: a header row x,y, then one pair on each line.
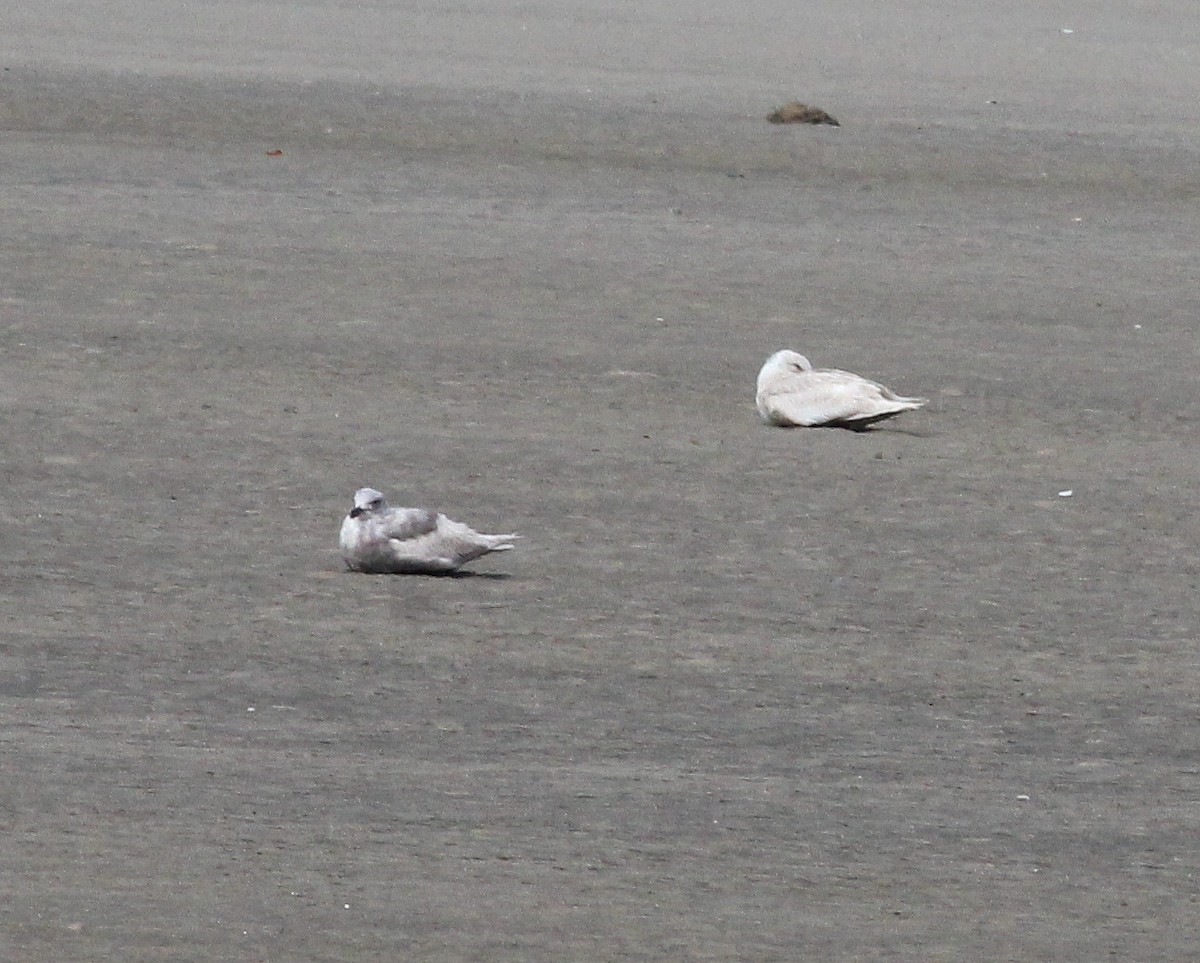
x,y
833,397
405,524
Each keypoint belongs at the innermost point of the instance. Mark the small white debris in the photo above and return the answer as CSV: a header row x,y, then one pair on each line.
x,y
1066,493
249,708
1067,30
1137,327
1022,798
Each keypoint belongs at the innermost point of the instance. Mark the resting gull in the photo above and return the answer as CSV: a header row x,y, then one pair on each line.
x,y
380,539
792,393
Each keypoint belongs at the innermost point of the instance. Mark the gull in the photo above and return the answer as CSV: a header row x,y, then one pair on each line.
x,y
792,393
380,539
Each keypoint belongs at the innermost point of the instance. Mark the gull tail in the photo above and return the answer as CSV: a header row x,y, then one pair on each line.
x,y
501,543
908,403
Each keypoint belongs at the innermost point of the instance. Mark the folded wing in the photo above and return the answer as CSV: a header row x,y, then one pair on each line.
x,y
404,524
832,397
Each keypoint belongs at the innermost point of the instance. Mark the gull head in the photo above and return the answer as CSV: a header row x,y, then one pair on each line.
x,y
789,361
366,501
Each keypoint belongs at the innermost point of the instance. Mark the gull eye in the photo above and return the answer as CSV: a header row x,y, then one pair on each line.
x,y
375,503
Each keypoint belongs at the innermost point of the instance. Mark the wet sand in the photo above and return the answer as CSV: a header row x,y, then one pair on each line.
x,y
740,692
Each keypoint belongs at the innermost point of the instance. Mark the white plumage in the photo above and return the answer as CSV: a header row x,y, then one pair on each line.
x,y
380,539
792,393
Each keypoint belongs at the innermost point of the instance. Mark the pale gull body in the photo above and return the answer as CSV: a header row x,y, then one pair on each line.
x,y
380,539
792,393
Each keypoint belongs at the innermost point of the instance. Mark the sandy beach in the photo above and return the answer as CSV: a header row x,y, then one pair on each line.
x,y
926,692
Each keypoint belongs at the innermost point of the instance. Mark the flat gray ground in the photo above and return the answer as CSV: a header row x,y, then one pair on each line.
x,y
741,693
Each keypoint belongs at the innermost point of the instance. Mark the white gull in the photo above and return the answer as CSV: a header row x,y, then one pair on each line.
x,y
379,539
792,393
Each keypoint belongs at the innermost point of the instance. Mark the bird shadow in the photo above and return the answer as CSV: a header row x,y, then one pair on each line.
x,y
461,574
893,430
869,430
